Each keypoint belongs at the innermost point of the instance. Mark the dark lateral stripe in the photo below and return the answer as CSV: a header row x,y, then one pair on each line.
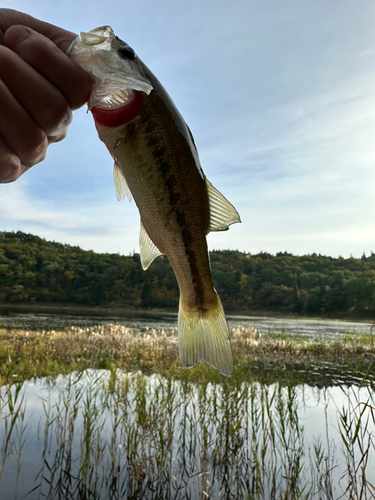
x,y
150,126
152,141
164,167
158,152
192,258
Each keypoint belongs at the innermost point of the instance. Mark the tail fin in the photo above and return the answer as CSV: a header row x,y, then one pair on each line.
x,y
204,336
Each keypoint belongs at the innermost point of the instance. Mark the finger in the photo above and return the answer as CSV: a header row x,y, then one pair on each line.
x,y
10,165
43,101
48,60
19,131
60,37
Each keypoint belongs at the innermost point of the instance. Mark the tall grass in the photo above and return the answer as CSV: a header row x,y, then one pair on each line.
x,y
356,426
106,434
126,421
270,358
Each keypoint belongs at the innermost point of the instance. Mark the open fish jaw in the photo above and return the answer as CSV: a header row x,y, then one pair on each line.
x,y
116,77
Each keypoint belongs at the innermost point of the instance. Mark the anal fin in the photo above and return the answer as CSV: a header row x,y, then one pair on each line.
x,y
149,251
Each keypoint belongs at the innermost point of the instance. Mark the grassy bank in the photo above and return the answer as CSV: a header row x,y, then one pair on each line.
x,y
284,358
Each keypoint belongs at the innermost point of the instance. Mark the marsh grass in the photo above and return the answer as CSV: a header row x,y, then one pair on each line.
x,y
284,358
126,421
107,434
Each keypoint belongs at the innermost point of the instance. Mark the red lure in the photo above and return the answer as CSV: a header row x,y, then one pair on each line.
x,y
115,117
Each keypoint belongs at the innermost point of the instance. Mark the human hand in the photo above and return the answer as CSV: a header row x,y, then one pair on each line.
x,y
39,87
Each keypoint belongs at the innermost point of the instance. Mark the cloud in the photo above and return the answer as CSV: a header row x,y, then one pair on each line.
x,y
280,102
104,227
15,206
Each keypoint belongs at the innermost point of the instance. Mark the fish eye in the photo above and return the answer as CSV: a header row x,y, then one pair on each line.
x,y
127,52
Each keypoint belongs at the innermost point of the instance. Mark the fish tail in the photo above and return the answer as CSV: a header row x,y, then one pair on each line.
x,y
204,336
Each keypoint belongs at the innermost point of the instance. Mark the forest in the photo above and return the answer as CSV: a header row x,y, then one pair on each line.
x,y
36,271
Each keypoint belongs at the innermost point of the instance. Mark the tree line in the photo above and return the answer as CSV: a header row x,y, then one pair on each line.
x,y
33,270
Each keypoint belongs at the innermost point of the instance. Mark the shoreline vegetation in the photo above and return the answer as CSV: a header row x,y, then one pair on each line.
x,y
36,274
268,358
120,416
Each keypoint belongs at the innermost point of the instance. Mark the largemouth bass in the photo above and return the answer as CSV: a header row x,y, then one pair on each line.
x,y
156,162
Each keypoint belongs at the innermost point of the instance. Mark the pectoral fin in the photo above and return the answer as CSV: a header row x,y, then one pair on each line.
x,y
121,186
222,212
149,251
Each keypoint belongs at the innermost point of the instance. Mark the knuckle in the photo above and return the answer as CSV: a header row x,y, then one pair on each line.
x,y
36,149
10,166
58,117
58,137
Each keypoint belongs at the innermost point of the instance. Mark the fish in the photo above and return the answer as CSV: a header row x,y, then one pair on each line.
x,y
156,163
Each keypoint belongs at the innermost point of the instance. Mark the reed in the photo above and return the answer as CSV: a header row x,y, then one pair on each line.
x,y
26,354
119,418
107,434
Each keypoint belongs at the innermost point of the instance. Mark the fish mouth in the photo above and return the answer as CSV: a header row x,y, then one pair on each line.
x,y
116,100
120,107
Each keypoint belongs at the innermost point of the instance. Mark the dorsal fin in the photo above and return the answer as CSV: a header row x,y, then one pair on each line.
x,y
222,212
121,186
149,251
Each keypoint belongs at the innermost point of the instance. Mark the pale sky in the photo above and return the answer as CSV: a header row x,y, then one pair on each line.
x,y
280,97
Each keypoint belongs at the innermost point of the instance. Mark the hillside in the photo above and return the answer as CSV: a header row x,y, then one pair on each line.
x,y
33,270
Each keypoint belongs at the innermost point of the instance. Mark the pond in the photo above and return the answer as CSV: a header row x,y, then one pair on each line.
x,y
309,328
102,434
111,434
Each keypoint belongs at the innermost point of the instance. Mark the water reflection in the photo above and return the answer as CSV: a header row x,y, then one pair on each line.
x,y
102,435
62,322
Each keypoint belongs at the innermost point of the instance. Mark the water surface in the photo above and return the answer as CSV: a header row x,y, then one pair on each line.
x,y
308,328
102,435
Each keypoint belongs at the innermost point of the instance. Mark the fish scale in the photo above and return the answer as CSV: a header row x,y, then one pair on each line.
x,y
156,162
